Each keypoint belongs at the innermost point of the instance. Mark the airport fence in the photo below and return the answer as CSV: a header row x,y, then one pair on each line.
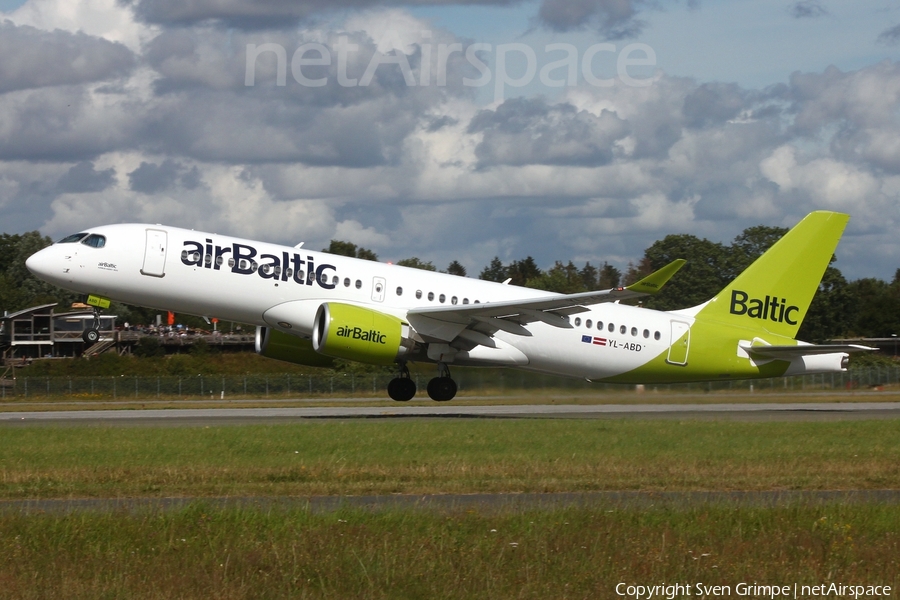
x,y
487,382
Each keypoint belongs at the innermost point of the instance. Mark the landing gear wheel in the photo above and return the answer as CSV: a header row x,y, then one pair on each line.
x,y
91,335
441,389
401,389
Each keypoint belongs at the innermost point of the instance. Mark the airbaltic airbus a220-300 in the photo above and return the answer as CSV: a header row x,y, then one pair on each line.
x,y
311,307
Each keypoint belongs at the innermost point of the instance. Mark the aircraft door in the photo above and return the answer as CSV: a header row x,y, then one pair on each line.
x,y
155,254
378,287
680,343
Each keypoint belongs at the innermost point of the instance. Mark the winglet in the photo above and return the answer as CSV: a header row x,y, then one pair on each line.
x,y
654,282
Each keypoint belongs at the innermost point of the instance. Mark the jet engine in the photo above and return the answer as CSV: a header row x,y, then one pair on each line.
x,y
360,334
272,343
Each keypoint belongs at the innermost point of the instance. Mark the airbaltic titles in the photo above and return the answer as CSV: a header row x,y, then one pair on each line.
x,y
242,259
770,308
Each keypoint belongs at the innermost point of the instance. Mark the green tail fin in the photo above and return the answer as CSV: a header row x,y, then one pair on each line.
x,y
774,292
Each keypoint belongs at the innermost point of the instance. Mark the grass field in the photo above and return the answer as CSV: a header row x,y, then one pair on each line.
x,y
447,456
202,551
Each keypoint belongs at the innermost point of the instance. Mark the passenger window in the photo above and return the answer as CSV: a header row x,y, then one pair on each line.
x,y
418,294
646,333
430,296
465,300
358,284
346,282
611,328
577,321
453,300
399,291
441,298
623,329
599,325
656,336
588,323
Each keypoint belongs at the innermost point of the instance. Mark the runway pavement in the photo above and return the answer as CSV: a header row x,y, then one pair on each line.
x,y
206,416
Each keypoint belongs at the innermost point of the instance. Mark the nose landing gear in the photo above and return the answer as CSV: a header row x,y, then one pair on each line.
x,y
91,335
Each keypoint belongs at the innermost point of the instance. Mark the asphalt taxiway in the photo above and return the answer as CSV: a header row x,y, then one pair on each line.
x,y
208,416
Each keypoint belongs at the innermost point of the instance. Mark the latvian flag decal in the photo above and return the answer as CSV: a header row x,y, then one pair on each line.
x,y
597,341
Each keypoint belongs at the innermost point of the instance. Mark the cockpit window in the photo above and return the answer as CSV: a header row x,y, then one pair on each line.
x,y
71,239
94,240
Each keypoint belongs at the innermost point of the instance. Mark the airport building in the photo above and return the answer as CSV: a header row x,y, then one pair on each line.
x,y
41,332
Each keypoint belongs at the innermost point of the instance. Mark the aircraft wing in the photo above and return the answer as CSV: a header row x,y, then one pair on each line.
x,y
478,322
788,352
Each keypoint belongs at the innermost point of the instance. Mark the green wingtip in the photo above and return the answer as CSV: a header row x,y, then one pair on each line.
x,y
654,282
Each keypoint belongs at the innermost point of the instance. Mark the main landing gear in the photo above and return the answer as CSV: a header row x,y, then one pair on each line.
x,y
91,335
402,388
441,388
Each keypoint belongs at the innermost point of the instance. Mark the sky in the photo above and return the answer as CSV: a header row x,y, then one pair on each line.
x,y
579,130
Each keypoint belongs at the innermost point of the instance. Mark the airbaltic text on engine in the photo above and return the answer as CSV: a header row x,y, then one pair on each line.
x,y
770,308
242,260
357,333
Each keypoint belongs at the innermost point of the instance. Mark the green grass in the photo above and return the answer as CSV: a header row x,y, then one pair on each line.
x,y
447,456
200,552
286,551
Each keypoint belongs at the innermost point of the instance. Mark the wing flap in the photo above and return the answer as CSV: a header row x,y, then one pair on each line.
x,y
446,323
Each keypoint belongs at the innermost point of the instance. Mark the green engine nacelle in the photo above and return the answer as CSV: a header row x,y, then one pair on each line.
x,y
272,343
356,333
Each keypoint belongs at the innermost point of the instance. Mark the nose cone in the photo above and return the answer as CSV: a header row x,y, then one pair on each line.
x,y
41,264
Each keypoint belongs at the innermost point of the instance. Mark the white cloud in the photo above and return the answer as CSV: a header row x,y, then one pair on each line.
x,y
595,172
107,19
830,183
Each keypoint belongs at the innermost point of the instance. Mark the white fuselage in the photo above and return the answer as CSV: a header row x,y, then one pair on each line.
x,y
268,285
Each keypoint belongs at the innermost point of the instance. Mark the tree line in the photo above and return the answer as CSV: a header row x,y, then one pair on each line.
x,y
867,307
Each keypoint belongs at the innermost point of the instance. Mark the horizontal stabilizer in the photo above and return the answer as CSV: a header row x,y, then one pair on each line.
x,y
788,352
